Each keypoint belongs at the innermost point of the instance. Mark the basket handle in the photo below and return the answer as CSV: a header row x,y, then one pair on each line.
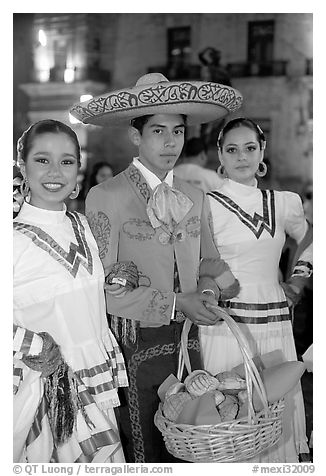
x,y
183,353
253,378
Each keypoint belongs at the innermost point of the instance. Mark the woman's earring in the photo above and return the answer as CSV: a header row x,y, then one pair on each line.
x,y
25,190
262,169
74,194
221,171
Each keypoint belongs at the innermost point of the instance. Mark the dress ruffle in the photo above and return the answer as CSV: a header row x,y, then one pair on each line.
x,y
89,436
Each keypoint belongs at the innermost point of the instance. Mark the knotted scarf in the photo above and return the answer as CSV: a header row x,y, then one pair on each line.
x,y
60,389
167,206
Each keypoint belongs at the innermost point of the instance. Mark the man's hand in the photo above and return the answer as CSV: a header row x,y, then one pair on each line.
x,y
193,305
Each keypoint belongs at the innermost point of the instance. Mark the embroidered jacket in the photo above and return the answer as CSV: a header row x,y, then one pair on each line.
x,y
116,211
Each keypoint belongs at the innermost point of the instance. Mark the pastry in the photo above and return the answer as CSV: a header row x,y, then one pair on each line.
x,y
199,382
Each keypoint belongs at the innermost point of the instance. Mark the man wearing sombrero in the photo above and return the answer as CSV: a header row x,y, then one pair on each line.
x,y
152,231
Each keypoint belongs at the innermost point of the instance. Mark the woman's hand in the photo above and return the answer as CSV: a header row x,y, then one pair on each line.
x,y
293,289
208,285
116,290
48,360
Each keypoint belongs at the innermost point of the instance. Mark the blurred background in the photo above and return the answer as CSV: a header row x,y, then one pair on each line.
x,y
61,59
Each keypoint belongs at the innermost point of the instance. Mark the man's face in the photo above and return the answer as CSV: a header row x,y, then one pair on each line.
x,y
161,142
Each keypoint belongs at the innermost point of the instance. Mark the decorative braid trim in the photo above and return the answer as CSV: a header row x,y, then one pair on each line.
x,y
133,364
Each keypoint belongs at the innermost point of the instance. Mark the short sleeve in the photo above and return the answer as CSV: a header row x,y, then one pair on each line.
x,y
295,223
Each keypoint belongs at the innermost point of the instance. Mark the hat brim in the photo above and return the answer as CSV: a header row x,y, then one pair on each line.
x,y
200,101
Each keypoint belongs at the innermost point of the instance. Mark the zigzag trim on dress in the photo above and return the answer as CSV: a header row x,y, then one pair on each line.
x,y
77,254
256,223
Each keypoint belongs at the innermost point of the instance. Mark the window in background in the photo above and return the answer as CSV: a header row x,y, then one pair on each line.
x,y
261,47
179,50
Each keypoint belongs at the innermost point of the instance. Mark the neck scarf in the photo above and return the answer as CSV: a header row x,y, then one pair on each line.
x,y
167,206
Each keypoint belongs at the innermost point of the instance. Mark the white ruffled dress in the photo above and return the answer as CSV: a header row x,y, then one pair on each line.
x,y
58,288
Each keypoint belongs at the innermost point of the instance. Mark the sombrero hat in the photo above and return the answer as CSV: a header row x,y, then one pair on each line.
x,y
200,101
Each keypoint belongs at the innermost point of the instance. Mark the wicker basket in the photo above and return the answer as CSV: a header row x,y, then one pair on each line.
x,y
228,441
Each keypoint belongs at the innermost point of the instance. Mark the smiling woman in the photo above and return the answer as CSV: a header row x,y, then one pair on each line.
x,y
49,157
67,364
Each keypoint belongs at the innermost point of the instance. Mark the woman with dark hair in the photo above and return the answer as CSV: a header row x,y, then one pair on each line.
x,y
249,226
101,171
67,364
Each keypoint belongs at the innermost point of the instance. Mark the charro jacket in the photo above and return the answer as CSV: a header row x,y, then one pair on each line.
x,y
116,211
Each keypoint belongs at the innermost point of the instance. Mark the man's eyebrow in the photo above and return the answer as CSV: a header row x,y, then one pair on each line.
x,y
164,125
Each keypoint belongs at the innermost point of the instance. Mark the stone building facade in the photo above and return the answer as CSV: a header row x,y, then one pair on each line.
x,y
267,56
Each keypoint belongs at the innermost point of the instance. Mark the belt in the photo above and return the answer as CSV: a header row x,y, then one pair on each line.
x,y
268,306
238,310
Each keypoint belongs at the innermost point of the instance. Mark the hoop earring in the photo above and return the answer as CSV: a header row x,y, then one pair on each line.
x,y
24,189
74,194
261,172
221,171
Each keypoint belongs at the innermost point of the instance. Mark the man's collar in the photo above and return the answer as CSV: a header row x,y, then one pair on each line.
x,y
150,177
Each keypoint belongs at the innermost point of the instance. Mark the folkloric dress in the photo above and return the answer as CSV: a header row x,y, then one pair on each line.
x,y
58,288
249,227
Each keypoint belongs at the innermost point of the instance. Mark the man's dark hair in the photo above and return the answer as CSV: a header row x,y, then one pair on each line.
x,y
139,122
194,147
